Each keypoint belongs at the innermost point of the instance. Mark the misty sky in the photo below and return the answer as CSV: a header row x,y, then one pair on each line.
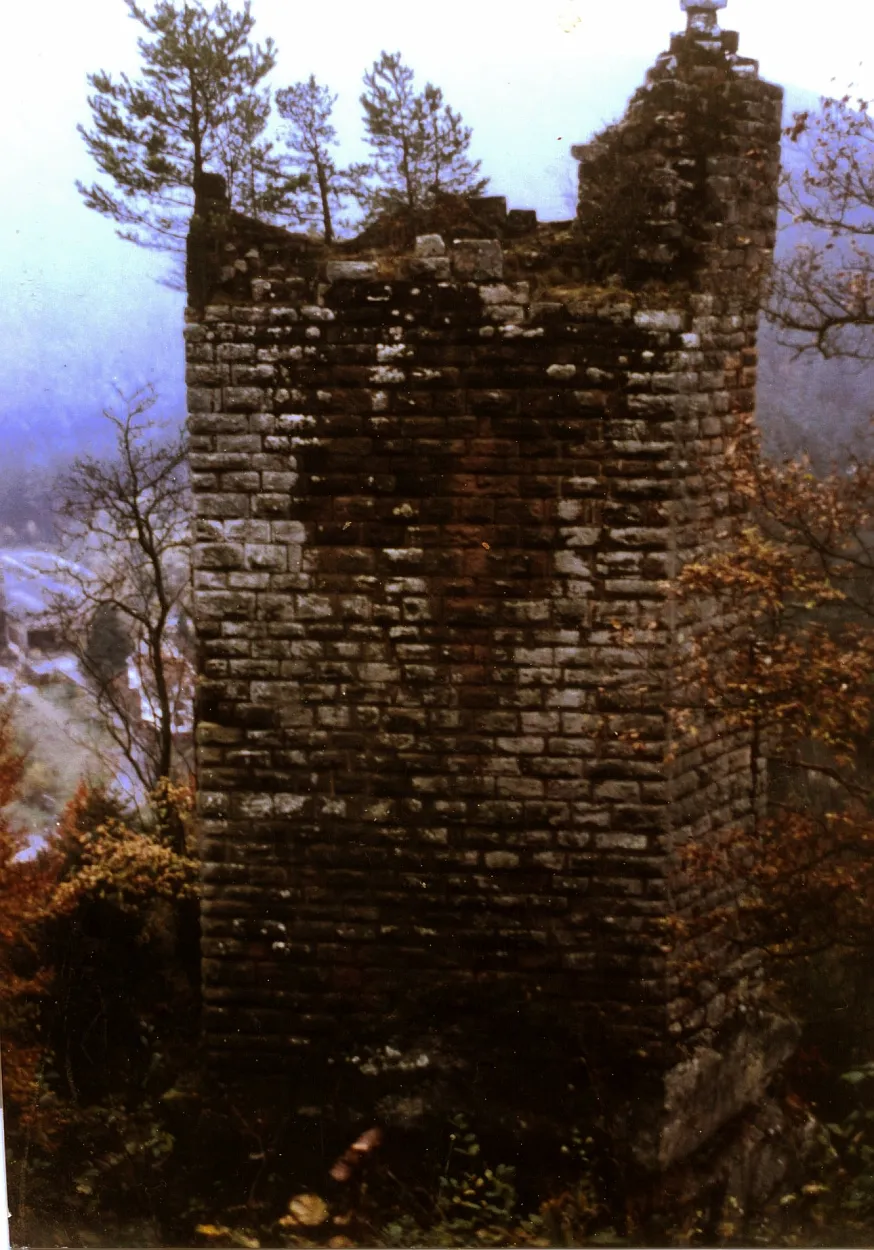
x,y
82,312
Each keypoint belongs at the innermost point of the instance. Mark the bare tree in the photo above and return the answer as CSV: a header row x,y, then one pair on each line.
x,y
822,297
122,605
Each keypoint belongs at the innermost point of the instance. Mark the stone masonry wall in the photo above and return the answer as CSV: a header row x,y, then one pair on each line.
x,y
439,492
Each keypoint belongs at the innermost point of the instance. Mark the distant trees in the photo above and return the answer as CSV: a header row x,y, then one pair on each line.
x,y
420,146
124,524
311,137
200,103
25,501
822,295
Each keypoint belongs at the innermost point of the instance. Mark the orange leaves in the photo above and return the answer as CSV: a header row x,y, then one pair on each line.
x,y
348,1163
800,657
307,1210
105,858
779,641
11,760
24,887
764,574
96,856
808,882
799,125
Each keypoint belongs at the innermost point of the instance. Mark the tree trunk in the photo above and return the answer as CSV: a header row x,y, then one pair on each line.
x,y
326,203
196,135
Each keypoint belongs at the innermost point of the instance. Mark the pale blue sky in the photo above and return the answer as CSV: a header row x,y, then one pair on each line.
x,y
81,310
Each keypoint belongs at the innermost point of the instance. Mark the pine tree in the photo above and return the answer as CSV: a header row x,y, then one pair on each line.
x,y
448,168
199,104
310,136
419,144
260,183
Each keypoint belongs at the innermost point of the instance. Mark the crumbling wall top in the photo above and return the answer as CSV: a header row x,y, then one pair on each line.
x,y
684,187
683,190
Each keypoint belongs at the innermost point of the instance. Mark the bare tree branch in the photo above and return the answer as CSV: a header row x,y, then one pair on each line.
x,y
123,589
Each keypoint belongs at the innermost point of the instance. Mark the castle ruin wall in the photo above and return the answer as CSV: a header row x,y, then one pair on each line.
x,y
441,489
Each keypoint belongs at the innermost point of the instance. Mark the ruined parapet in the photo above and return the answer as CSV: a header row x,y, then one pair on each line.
x,y
439,490
683,187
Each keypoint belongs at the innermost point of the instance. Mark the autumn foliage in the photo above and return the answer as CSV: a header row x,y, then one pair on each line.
x,y
24,890
796,587
79,922
822,292
101,858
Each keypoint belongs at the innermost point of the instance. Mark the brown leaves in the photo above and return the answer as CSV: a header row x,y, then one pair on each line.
x,y
808,882
307,1210
108,859
821,293
349,1162
95,855
24,888
212,1233
795,582
785,651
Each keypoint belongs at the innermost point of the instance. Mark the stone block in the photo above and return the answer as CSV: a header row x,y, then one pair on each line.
x,y
206,375
429,246
263,556
221,505
314,312
621,841
235,351
506,314
580,536
201,399
492,208
657,319
351,271
477,260
521,221
501,293
244,398
218,556
276,482
500,859
436,267
617,791
545,309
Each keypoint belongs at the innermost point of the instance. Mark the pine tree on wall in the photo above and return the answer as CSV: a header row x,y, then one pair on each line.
x,y
200,104
311,137
448,168
259,180
420,146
